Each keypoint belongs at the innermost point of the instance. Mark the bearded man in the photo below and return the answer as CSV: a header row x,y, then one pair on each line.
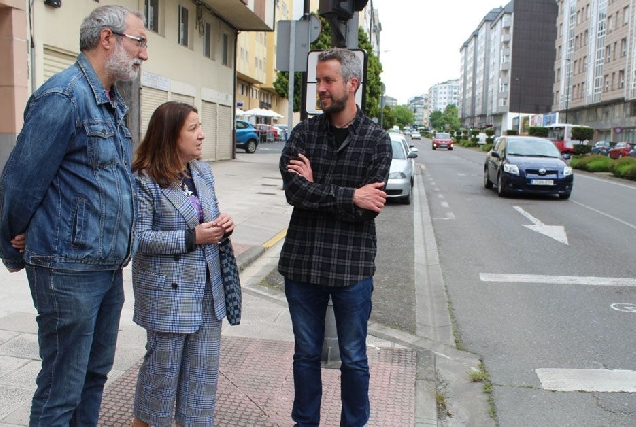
x,y
334,168
67,213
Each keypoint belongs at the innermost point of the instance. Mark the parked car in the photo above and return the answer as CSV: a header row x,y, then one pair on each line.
x,y
416,135
442,140
283,131
246,136
620,149
527,164
401,174
601,147
266,132
633,152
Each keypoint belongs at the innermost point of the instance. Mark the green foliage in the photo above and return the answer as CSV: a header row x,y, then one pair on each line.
x,y
486,147
624,168
490,131
512,132
388,119
403,115
582,133
581,149
595,163
439,120
539,131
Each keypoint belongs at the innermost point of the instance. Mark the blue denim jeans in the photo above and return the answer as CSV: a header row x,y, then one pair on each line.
x,y
78,321
352,309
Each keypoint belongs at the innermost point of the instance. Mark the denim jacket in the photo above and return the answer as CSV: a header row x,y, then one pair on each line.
x,y
67,183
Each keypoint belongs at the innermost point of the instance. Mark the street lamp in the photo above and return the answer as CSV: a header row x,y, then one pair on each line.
x,y
567,91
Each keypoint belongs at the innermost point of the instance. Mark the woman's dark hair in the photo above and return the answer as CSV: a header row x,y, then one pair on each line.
x,y
157,153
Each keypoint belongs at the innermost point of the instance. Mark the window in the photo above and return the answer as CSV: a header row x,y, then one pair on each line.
x,y
608,52
585,37
621,79
626,15
151,14
624,47
183,26
207,40
225,52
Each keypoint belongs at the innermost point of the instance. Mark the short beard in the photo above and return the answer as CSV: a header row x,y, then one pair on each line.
x,y
337,105
120,65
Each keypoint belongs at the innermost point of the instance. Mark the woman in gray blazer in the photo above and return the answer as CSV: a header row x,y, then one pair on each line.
x,y
179,297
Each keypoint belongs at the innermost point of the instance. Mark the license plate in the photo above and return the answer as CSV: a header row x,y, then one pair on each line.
x,y
542,182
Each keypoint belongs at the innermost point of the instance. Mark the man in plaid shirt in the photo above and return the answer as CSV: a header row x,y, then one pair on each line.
x,y
334,168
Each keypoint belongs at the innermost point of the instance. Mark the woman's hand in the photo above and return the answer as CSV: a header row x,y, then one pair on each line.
x,y
224,220
208,233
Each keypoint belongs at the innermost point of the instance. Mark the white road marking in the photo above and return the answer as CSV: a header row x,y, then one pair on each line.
x,y
557,232
607,215
444,204
589,380
557,280
625,307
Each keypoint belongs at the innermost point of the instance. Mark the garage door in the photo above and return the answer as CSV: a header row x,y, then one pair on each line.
x,y
150,99
225,141
56,60
208,123
182,98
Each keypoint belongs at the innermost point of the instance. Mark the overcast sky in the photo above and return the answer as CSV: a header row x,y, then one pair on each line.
x,y
421,39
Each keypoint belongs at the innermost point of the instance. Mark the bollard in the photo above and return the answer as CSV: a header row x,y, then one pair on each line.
x,y
330,351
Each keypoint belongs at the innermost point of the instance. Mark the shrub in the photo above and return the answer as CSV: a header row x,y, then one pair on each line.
x,y
624,168
581,149
582,133
490,131
512,132
486,147
596,163
539,131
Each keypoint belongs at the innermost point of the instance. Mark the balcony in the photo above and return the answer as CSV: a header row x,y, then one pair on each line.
x,y
504,66
237,13
505,38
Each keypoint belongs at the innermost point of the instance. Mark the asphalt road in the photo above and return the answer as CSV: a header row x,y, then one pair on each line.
x,y
544,290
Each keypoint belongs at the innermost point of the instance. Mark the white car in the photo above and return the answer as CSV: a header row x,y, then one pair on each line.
x,y
401,174
416,135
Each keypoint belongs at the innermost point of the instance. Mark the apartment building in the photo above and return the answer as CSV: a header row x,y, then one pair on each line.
x,y
441,95
255,69
419,106
507,66
192,58
595,67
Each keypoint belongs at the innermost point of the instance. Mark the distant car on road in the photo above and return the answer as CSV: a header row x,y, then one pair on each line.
x,y
246,136
442,140
416,135
621,149
401,174
526,164
601,147
266,132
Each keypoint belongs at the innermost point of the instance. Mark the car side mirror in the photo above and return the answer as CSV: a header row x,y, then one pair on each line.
x,y
412,155
495,154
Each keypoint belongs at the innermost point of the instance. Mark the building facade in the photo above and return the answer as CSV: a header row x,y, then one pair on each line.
x,y
507,66
596,67
441,95
419,106
192,58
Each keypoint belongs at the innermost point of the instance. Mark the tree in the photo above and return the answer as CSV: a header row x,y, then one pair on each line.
x,y
403,115
449,118
582,133
373,84
388,118
436,120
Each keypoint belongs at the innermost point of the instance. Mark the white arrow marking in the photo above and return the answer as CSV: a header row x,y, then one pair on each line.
x,y
557,232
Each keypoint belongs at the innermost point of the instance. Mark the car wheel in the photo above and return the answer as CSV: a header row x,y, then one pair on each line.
x,y
407,199
500,190
487,181
251,146
434,148
564,196
450,149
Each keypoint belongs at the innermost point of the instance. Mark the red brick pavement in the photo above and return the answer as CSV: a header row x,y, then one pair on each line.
x,y
256,387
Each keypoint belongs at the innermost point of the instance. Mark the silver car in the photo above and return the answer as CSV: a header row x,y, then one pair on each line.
x,y
401,174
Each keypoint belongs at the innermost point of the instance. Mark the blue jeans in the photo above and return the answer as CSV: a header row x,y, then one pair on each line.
x,y
78,321
352,309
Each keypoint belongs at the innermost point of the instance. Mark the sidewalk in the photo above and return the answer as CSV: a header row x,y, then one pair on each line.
x,y
256,385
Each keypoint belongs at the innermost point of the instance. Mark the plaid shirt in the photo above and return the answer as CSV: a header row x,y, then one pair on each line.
x,y
331,241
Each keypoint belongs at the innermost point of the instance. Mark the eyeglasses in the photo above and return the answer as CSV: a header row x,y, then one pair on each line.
x,y
143,42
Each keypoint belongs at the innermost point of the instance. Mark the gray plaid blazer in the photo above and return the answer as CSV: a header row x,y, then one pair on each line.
x,y
168,281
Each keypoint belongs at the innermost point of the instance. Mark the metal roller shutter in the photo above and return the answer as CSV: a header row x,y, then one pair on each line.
x,y
150,99
208,123
56,60
224,141
182,98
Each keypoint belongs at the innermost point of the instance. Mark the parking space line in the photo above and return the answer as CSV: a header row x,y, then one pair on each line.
x,y
558,280
588,380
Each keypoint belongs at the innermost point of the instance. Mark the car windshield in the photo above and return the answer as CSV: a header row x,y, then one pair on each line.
x,y
398,150
532,148
442,135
